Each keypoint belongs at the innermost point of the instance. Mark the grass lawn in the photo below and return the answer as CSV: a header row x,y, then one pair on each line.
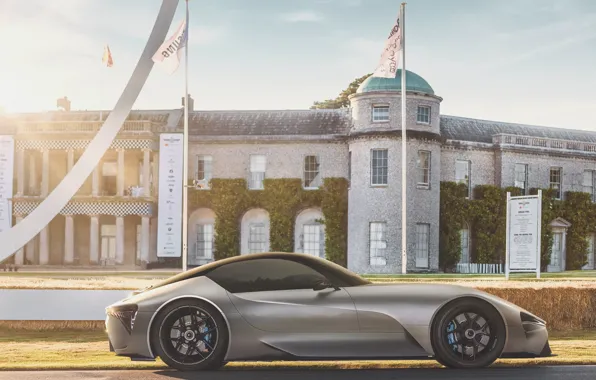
x,y
88,349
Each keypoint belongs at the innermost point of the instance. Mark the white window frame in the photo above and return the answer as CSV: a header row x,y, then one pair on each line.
x,y
423,183
108,242
464,236
313,243
256,177
467,180
589,188
380,113
517,174
307,168
555,185
139,243
204,240
422,245
252,244
372,168
377,243
202,181
427,115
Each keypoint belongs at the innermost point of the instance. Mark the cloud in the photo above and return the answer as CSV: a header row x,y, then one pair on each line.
x,y
301,16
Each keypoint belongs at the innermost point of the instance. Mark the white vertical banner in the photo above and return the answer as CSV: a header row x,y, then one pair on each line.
x,y
523,234
169,221
6,181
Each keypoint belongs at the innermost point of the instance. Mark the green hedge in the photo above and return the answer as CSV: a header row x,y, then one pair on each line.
x,y
283,199
486,214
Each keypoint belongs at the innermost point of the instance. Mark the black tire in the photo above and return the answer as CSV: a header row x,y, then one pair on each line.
x,y
200,326
468,333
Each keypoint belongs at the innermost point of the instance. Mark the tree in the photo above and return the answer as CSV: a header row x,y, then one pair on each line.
x,y
342,100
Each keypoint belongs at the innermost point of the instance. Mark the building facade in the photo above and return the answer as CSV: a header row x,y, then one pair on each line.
x,y
112,221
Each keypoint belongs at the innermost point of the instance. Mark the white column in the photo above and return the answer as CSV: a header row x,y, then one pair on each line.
x,y
146,172
19,257
69,240
95,181
33,183
145,234
69,160
45,173
30,250
20,172
155,173
120,174
44,246
94,240
119,240
153,240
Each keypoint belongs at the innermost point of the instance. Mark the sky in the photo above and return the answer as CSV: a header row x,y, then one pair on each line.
x,y
520,61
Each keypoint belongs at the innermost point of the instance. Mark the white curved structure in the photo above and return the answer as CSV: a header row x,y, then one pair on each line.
x,y
15,238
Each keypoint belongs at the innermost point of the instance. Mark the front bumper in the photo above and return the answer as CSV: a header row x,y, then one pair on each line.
x,y
132,341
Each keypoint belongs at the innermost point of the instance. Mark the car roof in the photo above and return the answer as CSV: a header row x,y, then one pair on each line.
x,y
204,269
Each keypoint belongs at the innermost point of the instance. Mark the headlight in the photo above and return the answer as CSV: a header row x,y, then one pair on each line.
x,y
125,313
531,323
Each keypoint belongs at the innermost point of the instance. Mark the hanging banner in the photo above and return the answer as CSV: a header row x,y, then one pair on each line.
x,y
169,220
523,234
6,181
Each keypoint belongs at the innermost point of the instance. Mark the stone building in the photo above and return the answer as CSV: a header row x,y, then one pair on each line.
x,y
112,220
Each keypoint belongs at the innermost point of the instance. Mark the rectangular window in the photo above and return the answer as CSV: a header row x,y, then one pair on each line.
x,y
204,172
462,174
423,165
138,243
108,242
109,181
257,241
521,177
204,241
379,167
423,115
380,113
312,239
588,183
258,166
555,181
422,244
378,243
312,177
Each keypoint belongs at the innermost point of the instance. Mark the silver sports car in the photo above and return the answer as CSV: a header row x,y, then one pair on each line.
x,y
285,306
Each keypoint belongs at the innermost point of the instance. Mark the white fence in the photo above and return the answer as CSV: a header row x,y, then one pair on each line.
x,y
57,305
479,268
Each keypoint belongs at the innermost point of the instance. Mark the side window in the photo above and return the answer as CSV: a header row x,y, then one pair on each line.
x,y
265,275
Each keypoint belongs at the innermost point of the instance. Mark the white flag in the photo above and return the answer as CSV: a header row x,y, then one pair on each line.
x,y
169,53
391,54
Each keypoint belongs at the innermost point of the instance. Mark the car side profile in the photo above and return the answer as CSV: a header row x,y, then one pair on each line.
x,y
286,306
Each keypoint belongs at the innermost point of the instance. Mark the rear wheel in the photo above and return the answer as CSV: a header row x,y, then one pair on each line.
x,y
190,335
468,333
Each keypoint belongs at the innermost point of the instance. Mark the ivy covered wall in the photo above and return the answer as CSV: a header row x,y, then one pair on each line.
x,y
283,199
485,213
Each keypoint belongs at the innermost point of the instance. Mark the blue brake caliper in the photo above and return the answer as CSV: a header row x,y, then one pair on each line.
x,y
451,335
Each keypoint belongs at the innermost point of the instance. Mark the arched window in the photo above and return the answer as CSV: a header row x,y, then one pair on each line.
x,y
255,231
201,236
309,233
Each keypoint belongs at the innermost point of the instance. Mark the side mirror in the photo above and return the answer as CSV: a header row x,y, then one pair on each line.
x,y
322,285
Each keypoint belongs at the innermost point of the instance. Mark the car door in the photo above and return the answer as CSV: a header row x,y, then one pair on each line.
x,y
276,296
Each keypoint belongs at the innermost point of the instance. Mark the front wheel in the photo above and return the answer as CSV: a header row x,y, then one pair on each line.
x,y
190,335
468,333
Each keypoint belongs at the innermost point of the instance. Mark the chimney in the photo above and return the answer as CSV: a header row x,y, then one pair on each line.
x,y
63,103
191,103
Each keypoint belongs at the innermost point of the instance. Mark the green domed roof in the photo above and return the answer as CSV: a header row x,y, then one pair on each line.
x,y
414,82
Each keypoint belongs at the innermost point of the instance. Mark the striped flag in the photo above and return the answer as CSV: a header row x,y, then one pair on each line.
x,y
391,54
107,57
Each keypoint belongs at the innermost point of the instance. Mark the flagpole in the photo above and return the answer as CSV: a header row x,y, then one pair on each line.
x,y
404,182
185,157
